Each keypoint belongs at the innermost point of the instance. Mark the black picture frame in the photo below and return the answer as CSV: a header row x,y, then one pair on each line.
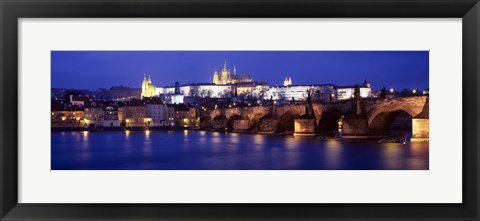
x,y
12,10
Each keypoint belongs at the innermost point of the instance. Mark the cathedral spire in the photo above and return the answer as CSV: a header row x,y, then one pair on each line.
x,y
225,65
215,76
145,76
234,71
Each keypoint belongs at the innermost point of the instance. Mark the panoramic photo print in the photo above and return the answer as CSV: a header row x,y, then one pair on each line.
x,y
239,110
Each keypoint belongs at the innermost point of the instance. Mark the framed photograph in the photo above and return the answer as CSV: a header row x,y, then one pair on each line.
x,y
319,110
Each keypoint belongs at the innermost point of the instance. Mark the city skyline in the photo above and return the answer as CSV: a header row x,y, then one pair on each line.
x,y
103,69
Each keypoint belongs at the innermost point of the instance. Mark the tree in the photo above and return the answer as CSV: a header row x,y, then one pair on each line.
x,y
383,93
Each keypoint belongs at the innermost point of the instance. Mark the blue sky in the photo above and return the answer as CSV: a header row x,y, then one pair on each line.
x,y
104,69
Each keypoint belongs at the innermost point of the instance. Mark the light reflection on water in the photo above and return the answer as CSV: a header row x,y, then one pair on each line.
x,y
192,150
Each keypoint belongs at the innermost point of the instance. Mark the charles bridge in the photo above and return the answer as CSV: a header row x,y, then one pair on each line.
x,y
355,118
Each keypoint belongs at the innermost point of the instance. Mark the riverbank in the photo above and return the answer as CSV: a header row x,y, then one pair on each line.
x,y
320,136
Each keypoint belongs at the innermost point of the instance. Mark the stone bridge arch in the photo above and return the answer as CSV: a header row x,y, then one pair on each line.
x,y
329,120
231,121
253,114
286,122
219,122
230,112
411,105
382,113
381,122
295,109
215,113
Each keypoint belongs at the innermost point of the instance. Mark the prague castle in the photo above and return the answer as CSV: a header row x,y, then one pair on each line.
x,y
226,84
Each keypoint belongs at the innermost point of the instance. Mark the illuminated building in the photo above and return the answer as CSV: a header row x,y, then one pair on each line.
x,y
148,89
155,110
224,85
133,114
181,115
287,81
110,116
347,92
225,77
77,100
94,113
251,88
318,92
194,90
66,115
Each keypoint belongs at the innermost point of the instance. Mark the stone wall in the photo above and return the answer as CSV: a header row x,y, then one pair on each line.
x,y
268,126
219,124
241,125
355,126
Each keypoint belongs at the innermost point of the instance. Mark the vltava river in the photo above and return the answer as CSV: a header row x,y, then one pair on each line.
x,y
196,150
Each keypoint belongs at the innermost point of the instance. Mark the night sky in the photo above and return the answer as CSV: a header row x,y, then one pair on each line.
x,y
103,69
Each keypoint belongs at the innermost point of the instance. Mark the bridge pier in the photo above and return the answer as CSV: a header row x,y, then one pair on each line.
x,y
305,127
420,130
205,122
240,125
355,128
268,126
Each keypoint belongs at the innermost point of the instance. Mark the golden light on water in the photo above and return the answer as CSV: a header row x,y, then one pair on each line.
x,y
291,142
259,139
333,144
85,135
390,154
333,152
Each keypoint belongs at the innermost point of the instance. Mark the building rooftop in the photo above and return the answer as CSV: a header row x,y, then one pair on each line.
x,y
152,100
304,85
93,104
134,102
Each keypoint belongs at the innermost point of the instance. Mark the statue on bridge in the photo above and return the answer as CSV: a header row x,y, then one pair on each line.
x,y
357,103
309,106
356,93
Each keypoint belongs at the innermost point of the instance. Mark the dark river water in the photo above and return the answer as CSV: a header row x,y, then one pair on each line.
x,y
196,150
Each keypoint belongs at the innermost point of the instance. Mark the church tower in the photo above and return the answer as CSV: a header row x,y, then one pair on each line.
x,y
148,89
287,81
366,84
233,79
215,77
144,84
